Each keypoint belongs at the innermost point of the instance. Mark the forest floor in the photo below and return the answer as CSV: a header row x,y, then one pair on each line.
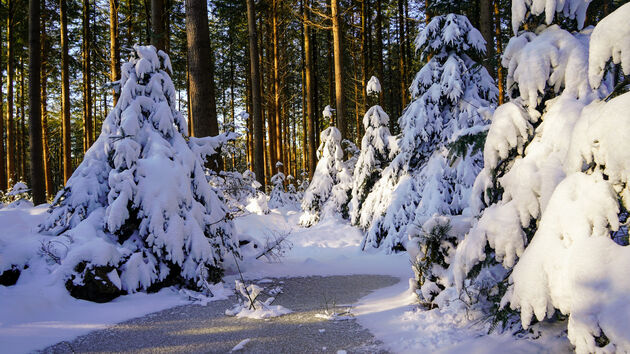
x,y
197,328
324,266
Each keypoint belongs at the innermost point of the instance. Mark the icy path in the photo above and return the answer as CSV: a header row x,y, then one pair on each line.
x,y
195,328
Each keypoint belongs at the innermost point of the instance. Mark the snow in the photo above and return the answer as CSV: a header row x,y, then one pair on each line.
x,y
241,345
609,40
373,86
573,9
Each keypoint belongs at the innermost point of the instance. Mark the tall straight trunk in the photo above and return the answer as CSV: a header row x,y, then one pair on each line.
x,y
315,86
3,160
276,91
379,46
308,79
497,36
167,26
304,129
337,38
44,97
401,59
87,79
259,167
38,179
65,93
364,62
203,106
114,46
486,28
147,23
11,126
158,29
268,108
22,153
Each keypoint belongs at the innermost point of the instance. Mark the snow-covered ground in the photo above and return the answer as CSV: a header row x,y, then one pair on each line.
x,y
38,311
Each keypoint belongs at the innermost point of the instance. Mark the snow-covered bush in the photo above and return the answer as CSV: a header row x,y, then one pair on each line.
x,y
374,154
139,211
279,197
327,194
451,96
237,189
554,188
17,196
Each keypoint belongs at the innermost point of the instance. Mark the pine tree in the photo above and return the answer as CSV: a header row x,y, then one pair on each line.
x,y
449,96
375,151
139,207
331,171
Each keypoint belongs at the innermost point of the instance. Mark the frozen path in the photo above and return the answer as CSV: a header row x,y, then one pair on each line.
x,y
195,328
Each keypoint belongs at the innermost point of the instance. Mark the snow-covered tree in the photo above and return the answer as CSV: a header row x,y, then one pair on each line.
x,y
374,154
451,96
279,197
553,194
328,191
139,210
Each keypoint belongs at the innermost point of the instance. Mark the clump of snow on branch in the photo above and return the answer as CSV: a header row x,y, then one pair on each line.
x,y
572,9
610,40
280,196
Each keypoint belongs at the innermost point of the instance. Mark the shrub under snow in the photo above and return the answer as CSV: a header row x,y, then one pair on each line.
x,y
138,212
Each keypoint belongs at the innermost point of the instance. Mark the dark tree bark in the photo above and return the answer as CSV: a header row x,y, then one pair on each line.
x,y
87,80
65,93
402,61
38,181
276,90
497,34
44,98
114,46
203,106
486,27
379,46
158,22
259,167
338,51
11,126
3,156
308,79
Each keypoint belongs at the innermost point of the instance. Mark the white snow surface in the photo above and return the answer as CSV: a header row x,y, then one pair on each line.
x,y
573,9
610,40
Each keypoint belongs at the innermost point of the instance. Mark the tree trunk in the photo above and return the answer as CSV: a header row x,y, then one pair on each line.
x,y
497,33
44,97
338,50
38,180
158,31
308,78
65,93
114,46
87,79
402,61
486,27
203,106
276,83
364,63
379,47
3,164
11,126
259,167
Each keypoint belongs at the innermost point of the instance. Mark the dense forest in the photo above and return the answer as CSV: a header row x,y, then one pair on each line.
x,y
263,69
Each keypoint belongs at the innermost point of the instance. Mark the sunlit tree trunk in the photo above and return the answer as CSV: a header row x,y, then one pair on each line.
x,y
65,93
338,51
38,180
259,167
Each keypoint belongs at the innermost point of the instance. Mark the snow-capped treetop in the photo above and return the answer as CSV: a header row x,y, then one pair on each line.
x,y
373,86
609,39
573,9
449,33
554,58
328,112
18,189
